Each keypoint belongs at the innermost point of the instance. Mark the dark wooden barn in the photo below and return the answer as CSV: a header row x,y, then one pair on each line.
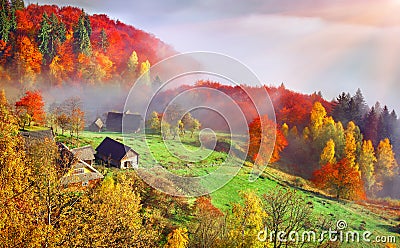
x,y
113,153
132,122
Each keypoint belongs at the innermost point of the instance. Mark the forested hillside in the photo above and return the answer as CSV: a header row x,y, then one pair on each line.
x,y
54,45
65,72
319,137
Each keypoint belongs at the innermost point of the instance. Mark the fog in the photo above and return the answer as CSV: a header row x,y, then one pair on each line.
x,y
96,99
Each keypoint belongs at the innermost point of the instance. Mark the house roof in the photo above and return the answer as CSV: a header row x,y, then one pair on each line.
x,y
38,135
99,123
113,148
85,177
131,122
84,153
66,158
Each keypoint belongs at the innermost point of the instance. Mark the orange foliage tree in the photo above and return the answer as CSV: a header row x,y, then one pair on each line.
x,y
209,221
28,58
342,179
263,132
33,103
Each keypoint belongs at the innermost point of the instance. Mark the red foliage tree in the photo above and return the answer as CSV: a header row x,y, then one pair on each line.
x,y
263,132
33,103
340,178
294,108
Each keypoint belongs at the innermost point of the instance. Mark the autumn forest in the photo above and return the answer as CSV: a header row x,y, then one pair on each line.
x,y
326,159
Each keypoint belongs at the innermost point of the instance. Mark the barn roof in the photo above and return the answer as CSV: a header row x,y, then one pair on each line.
x,y
84,153
84,177
113,148
132,122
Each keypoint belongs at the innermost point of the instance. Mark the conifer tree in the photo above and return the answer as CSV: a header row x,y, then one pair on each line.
x,y
51,35
17,4
371,126
82,32
384,124
6,24
44,35
341,110
103,43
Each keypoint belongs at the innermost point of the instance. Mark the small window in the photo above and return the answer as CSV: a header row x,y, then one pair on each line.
x,y
85,184
79,171
127,164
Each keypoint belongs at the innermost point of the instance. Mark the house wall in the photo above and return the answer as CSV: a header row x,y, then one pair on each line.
x,y
71,172
91,183
131,157
113,162
132,160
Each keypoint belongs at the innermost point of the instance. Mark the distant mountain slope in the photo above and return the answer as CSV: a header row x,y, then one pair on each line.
x,y
54,45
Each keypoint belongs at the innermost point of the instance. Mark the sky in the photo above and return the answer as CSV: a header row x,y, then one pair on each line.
x,y
309,45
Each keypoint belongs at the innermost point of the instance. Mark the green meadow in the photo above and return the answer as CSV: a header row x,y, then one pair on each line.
x,y
176,157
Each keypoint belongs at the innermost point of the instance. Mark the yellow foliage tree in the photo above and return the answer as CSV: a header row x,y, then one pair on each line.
x,y
294,132
36,210
285,129
318,115
328,154
105,65
109,217
145,71
57,70
340,140
245,222
351,146
94,68
133,63
28,58
386,162
16,205
178,238
306,133
367,161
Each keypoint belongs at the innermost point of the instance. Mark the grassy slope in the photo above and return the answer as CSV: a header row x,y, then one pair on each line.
x,y
353,213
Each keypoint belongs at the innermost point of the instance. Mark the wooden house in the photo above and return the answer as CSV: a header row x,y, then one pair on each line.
x,y
85,154
132,122
31,137
115,154
81,174
77,173
96,126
